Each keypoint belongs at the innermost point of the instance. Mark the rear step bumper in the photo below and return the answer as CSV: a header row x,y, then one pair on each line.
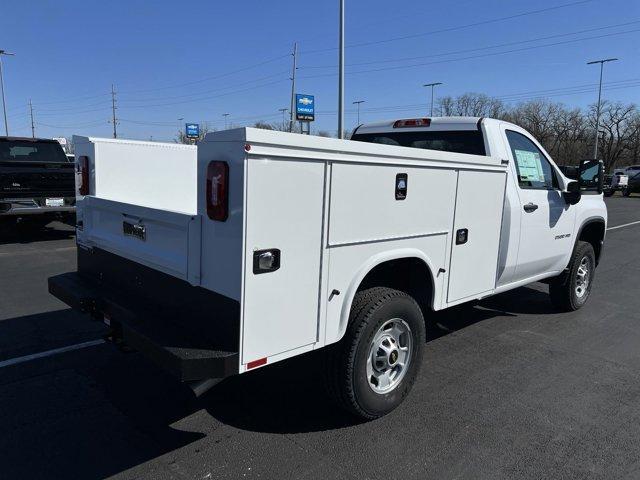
x,y
165,344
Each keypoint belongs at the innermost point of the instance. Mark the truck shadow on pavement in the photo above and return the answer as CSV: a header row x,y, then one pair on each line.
x,y
11,232
96,412
289,397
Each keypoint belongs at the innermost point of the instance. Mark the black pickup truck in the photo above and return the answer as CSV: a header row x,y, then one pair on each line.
x,y
37,181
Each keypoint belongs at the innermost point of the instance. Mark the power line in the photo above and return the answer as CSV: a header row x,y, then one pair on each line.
x,y
208,98
205,92
472,57
451,29
194,82
489,47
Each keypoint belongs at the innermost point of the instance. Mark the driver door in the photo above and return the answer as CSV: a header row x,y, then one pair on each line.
x,y
547,220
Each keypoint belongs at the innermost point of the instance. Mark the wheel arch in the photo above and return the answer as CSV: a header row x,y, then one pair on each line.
x,y
593,231
412,272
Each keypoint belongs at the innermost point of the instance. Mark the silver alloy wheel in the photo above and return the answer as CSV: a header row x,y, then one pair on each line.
x,y
583,277
390,354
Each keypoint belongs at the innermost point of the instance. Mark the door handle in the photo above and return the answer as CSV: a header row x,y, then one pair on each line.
x,y
530,207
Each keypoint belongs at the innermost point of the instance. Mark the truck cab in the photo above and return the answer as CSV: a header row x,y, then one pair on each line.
x,y
542,220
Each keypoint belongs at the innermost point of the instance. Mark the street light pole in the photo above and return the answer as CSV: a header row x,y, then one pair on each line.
x,y
601,62
283,111
4,103
432,85
341,74
225,115
357,103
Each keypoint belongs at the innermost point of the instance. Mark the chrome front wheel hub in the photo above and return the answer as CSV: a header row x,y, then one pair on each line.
x,y
390,354
583,277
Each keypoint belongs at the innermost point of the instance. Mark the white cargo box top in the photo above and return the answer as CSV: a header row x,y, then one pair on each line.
x,y
148,174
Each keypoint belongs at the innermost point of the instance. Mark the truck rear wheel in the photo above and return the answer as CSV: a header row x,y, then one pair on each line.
x,y
372,369
571,290
626,192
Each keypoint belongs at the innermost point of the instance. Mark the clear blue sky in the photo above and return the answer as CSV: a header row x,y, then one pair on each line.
x,y
199,59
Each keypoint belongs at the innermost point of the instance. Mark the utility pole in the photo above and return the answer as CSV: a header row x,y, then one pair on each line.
x,y
283,111
113,111
601,62
33,126
357,103
225,115
293,86
341,74
432,85
4,103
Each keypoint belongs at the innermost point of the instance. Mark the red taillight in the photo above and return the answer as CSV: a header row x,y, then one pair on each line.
x,y
412,122
83,169
218,191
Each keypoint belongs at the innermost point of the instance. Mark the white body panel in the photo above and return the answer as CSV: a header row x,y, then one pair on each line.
x,y
478,209
364,209
281,308
171,244
149,174
330,207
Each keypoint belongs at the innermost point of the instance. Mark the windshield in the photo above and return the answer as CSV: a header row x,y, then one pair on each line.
x,y
462,141
31,151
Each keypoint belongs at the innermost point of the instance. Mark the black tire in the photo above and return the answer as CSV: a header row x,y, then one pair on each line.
x,y
563,289
608,193
346,361
626,192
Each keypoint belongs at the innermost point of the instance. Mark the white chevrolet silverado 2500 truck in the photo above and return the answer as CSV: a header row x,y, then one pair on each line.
x,y
289,243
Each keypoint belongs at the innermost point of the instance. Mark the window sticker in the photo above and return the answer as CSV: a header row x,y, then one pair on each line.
x,y
529,166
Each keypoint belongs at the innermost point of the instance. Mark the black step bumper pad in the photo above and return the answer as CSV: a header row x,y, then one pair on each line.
x,y
187,357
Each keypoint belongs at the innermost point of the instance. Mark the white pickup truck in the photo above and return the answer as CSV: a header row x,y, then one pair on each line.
x,y
289,243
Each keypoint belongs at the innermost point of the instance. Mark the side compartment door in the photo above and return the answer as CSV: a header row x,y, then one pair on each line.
x,y
476,233
284,218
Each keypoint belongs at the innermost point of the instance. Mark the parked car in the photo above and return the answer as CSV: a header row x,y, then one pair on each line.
x,y
290,243
615,182
633,184
37,182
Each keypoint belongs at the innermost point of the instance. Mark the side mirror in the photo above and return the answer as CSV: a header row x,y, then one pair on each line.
x,y
590,175
573,194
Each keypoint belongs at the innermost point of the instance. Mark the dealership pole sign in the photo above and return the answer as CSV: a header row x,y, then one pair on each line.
x,y
192,130
305,107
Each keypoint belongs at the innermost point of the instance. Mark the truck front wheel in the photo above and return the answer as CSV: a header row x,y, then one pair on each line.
x,y
571,290
372,369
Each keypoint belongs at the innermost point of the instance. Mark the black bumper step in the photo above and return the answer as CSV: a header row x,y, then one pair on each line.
x,y
147,329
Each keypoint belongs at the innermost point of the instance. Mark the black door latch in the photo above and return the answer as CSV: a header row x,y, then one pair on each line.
x,y
462,236
265,261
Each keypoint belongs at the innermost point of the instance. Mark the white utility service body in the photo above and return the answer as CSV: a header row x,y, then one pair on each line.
x,y
121,170
309,219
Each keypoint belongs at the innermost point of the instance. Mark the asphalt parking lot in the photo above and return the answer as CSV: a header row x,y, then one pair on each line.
x,y
508,389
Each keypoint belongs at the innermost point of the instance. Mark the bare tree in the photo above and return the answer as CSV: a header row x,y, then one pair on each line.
x,y
471,105
264,126
617,131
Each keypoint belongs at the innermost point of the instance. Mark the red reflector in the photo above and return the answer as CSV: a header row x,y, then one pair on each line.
x,y
256,363
218,191
412,122
82,167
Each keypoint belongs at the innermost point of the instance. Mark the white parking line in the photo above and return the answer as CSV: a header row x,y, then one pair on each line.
x,y
48,353
622,226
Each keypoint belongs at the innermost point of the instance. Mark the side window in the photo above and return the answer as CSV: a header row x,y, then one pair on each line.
x,y
534,170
